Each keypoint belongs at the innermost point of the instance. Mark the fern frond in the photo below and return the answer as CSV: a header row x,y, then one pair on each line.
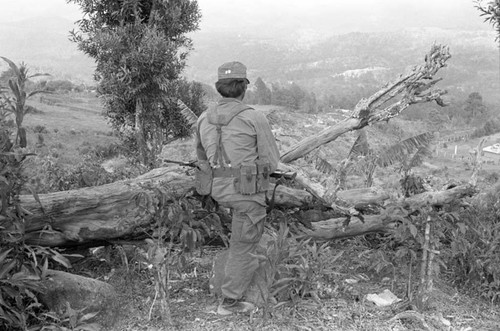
x,y
401,151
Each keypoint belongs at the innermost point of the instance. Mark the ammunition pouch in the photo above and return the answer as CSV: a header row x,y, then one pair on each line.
x,y
203,178
263,174
249,178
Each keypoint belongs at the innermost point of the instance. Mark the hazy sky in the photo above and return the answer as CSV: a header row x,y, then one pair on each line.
x,y
308,14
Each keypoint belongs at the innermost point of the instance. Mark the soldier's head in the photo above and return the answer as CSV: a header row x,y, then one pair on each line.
x,y
232,80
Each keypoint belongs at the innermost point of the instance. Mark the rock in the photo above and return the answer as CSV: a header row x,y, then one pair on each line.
x,y
385,298
258,292
61,288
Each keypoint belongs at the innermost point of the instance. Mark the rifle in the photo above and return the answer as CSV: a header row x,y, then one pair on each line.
x,y
191,164
276,174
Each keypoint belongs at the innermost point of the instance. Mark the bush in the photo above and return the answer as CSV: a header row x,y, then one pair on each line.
x,y
297,269
40,129
59,85
88,172
21,266
474,247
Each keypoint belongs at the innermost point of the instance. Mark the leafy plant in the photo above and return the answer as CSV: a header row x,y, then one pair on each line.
x,y
295,267
17,105
474,244
70,320
407,153
21,266
175,225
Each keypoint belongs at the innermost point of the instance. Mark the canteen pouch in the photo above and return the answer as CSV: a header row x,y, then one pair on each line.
x,y
204,177
263,173
248,179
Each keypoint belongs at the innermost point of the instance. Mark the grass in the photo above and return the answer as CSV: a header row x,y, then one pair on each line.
x,y
67,127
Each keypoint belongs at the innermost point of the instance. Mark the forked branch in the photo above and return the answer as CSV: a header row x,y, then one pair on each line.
x,y
415,87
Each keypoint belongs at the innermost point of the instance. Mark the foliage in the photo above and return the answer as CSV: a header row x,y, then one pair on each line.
x,y
87,172
140,47
491,14
473,251
474,106
296,267
21,266
407,153
17,105
263,94
174,224
59,85
70,320
490,127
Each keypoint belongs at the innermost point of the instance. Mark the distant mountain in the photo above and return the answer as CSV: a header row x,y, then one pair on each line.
x,y
43,44
355,63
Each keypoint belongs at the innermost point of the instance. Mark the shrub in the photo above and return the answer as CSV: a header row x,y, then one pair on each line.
x,y
297,268
21,266
59,85
40,129
475,245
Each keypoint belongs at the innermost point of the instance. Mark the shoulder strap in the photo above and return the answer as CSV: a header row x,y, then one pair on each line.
x,y
220,120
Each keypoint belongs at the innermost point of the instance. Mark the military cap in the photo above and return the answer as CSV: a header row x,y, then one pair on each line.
x,y
235,70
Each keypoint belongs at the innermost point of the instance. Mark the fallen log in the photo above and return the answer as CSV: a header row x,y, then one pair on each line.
x,y
124,209
337,228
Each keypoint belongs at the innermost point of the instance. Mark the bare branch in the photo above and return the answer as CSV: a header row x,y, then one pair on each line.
x,y
414,87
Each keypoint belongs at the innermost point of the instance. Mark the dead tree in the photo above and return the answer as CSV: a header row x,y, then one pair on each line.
x,y
414,87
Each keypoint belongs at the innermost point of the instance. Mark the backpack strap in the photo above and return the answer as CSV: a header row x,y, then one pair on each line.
x,y
219,120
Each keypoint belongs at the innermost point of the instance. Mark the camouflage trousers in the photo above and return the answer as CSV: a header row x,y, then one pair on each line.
x,y
247,227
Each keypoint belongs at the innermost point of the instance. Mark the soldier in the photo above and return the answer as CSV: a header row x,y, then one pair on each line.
x,y
236,154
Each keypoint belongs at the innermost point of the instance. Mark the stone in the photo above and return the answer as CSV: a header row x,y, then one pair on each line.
x,y
62,288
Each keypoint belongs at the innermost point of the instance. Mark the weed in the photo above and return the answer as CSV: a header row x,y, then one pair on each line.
x,y
474,247
175,223
295,268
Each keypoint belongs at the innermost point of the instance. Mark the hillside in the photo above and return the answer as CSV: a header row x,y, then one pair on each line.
x,y
356,63
350,65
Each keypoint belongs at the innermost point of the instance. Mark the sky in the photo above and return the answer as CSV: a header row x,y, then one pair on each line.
x,y
324,15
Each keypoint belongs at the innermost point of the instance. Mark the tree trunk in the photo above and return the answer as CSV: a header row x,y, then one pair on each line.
x,y
124,209
336,228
